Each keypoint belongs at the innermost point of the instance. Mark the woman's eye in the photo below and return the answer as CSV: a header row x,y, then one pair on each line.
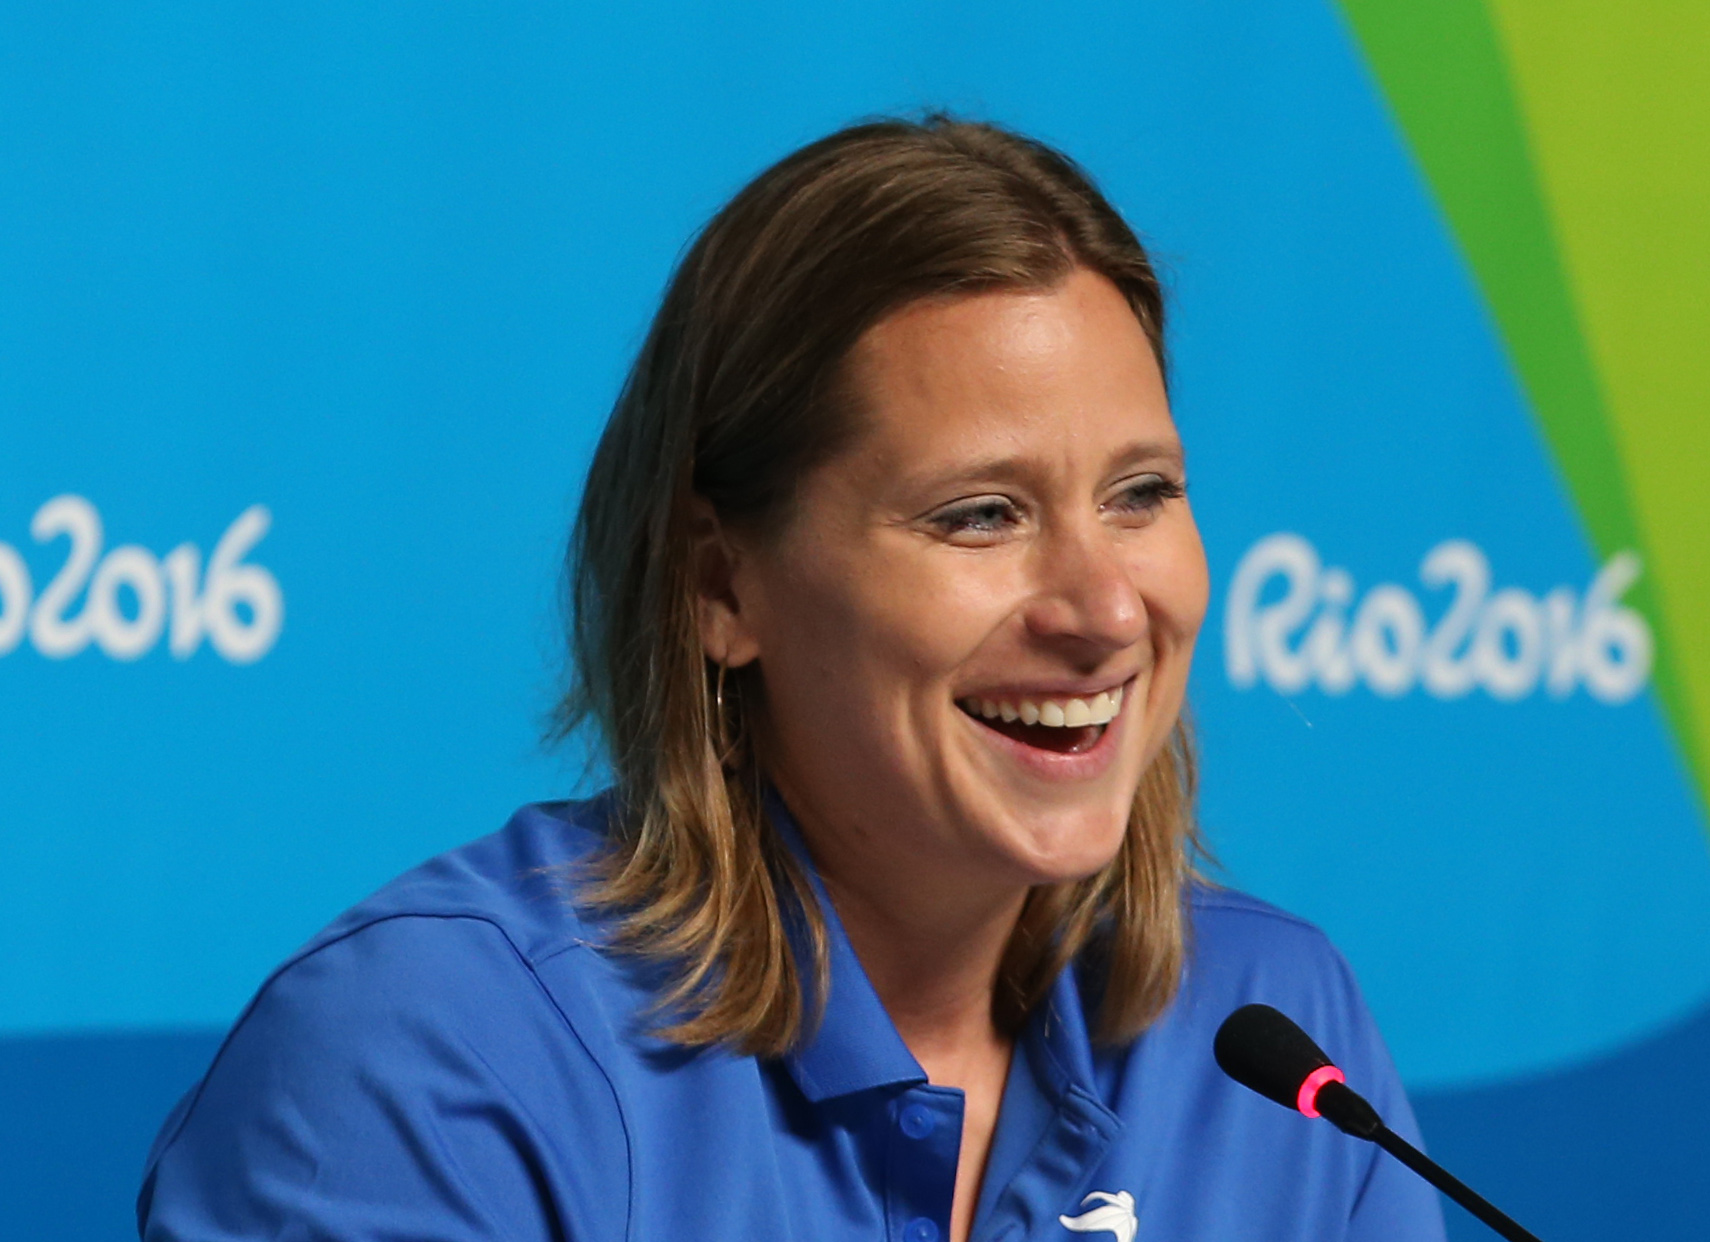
x,y
1144,496
985,518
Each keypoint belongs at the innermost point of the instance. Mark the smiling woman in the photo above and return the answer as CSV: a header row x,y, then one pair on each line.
x,y
885,590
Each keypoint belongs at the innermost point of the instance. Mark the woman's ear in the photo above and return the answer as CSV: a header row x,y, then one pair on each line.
x,y
716,563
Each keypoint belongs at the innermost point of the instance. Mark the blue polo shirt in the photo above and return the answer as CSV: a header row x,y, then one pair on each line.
x,y
457,1059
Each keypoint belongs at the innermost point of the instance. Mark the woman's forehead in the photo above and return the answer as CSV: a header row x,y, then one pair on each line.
x,y
992,376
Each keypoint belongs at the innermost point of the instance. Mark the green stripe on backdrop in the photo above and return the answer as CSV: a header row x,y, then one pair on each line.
x,y
1617,103
1443,68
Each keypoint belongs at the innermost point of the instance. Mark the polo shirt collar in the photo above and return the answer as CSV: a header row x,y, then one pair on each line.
x,y
1056,1035
853,1046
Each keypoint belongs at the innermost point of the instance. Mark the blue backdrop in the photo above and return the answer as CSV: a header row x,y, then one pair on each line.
x,y
308,322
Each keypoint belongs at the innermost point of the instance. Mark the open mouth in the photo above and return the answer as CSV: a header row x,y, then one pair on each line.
x,y
1065,726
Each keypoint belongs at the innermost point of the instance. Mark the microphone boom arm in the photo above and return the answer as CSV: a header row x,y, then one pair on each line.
x,y
1350,1113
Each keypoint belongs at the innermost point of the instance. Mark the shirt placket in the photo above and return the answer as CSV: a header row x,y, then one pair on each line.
x,y
924,1142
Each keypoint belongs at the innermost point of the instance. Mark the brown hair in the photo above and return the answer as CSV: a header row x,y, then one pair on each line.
x,y
734,396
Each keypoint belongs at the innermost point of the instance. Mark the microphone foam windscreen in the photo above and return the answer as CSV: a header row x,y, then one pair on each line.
x,y
1262,1049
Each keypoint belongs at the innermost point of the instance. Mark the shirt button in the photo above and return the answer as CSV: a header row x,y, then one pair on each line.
x,y
917,1122
920,1229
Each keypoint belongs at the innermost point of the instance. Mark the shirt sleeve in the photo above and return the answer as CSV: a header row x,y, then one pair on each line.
x,y
411,1079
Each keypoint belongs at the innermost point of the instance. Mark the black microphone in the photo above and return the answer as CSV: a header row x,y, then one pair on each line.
x,y
1263,1050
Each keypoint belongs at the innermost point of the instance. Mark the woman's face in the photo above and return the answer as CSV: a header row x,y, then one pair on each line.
x,y
974,630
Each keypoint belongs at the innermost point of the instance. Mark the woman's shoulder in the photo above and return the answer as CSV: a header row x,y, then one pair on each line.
x,y
1242,949
491,926
1240,921
1201,1138
520,880
461,931
1240,943
459,938
463,980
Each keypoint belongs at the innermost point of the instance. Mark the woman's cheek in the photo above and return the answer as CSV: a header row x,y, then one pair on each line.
x,y
1196,574
942,618
1181,590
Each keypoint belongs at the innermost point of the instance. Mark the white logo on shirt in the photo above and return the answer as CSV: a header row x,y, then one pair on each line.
x,y
1115,1216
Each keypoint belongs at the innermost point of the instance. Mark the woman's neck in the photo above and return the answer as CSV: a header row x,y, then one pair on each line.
x,y
935,970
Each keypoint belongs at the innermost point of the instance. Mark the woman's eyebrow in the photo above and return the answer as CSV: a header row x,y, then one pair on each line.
x,y
1014,468
1150,452
995,469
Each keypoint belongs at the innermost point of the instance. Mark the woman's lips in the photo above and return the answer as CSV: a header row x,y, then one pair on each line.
x,y
1065,725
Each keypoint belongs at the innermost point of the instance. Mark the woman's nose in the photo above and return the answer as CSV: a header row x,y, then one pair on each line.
x,y
1086,595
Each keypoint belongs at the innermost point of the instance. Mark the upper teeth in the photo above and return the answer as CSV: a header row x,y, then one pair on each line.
x,y
1053,713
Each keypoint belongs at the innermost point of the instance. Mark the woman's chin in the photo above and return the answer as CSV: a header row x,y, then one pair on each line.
x,y
1058,848
1054,834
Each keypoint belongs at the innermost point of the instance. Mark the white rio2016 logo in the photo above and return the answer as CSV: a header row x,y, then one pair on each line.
x,y
238,607
1505,642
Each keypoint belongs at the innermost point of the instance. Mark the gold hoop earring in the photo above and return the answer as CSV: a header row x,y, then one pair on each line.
x,y
727,739
723,747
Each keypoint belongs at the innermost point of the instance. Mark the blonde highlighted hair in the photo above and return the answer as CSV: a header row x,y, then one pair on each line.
x,y
736,393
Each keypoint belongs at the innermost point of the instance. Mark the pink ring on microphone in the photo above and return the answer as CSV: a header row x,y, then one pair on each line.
x,y
1307,1100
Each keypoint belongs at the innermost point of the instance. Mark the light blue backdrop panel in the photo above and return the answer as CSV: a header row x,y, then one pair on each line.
x,y
379,268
